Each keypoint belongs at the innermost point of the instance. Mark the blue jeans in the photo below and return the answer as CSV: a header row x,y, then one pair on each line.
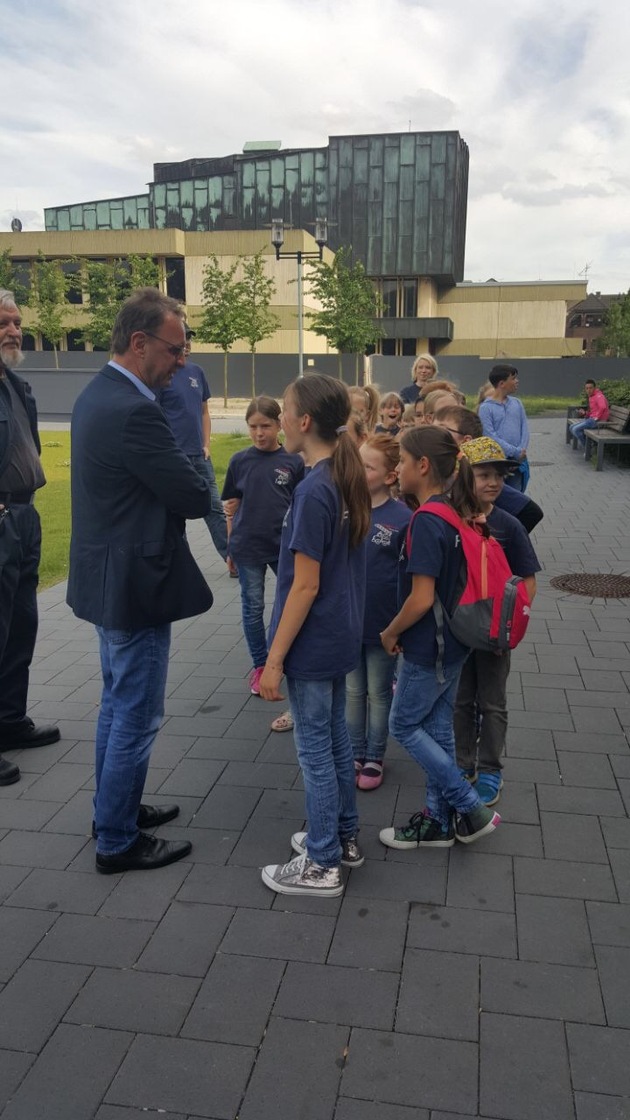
x,y
368,701
578,429
252,580
215,520
422,720
325,756
134,666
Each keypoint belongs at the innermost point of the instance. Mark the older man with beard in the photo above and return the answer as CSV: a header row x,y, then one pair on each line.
x,y
21,475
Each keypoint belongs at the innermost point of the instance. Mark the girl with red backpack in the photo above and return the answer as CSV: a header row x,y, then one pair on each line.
x,y
432,573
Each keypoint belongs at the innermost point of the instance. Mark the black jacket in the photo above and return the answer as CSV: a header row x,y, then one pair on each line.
x,y
132,489
6,416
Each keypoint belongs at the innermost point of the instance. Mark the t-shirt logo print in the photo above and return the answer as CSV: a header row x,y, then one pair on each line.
x,y
194,384
383,535
282,476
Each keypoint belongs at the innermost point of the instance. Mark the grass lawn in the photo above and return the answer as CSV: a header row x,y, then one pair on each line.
x,y
53,502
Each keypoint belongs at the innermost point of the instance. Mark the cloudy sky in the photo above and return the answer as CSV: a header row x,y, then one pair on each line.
x,y
95,93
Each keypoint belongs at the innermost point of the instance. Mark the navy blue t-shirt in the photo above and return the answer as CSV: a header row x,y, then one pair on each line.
x,y
410,393
380,429
182,402
264,481
436,551
514,541
384,541
329,643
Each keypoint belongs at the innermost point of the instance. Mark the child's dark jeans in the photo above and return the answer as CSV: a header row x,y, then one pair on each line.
x,y
482,688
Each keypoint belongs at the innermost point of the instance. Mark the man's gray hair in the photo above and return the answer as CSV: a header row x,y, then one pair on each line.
x,y
7,298
145,310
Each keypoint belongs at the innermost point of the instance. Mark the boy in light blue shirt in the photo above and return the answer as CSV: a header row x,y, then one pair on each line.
x,y
503,419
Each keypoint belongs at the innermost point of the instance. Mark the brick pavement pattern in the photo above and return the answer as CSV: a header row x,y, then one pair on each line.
x,y
491,982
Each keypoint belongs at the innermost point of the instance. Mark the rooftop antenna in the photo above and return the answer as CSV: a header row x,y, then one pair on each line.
x,y
585,271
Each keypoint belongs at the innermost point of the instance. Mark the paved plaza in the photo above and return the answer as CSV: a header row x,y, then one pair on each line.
x,y
490,981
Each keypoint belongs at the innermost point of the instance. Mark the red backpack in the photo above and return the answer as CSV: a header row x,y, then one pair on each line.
x,y
492,611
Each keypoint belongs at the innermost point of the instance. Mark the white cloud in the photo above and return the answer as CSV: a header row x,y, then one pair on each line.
x,y
540,93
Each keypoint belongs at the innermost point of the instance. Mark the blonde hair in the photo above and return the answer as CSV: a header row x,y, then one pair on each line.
x,y
431,401
357,429
424,358
389,399
373,395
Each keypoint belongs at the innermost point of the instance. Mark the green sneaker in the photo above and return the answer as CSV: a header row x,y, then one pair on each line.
x,y
477,823
421,832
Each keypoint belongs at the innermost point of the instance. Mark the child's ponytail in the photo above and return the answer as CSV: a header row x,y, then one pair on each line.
x,y
449,467
327,402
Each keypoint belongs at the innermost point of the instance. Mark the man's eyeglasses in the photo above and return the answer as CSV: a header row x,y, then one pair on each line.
x,y
453,431
176,351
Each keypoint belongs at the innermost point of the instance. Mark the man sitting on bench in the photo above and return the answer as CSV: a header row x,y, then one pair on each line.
x,y
596,411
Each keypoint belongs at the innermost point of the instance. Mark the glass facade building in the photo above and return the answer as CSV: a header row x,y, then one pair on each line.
x,y
398,199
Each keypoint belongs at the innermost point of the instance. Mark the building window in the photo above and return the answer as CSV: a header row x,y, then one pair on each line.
x,y
74,341
73,268
409,299
389,294
388,347
408,347
176,278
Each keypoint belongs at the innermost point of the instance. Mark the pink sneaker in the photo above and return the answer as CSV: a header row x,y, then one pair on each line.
x,y
371,775
254,680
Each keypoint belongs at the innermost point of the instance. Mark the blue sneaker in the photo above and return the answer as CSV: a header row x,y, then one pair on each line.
x,y
469,773
489,786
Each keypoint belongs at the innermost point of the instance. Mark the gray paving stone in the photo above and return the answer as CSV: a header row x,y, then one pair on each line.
x,y
192,777
453,930
266,840
235,1000
621,765
64,891
585,770
411,1070
259,775
279,935
597,720
370,933
363,1110
228,750
34,1001
13,1068
550,991
535,1087
512,840
123,999
110,942
609,923
226,807
479,880
613,965
347,996
522,744
616,831
307,1089
145,897
533,770
24,814
391,879
590,743
564,879
206,1079
227,886
599,1059
70,1076
542,720
280,803
439,995
20,932
113,1112
39,849
573,837
572,799
10,878
186,939
519,804
210,845
554,930
591,1106
73,818
620,864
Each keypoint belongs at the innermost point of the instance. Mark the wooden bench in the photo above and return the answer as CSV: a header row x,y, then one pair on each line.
x,y
615,433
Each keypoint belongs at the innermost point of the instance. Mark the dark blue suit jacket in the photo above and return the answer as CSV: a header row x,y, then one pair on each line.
x,y
132,489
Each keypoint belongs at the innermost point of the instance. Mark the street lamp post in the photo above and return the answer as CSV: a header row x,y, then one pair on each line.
x,y
277,240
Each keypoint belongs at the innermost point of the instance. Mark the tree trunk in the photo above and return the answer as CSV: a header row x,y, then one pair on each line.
x,y
340,366
225,379
253,374
356,368
56,352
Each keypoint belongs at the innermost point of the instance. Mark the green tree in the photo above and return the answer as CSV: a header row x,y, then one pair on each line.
x,y
350,304
224,318
258,290
108,283
47,299
615,337
10,279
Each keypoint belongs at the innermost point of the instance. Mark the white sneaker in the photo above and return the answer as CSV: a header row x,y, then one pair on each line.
x,y
351,854
302,876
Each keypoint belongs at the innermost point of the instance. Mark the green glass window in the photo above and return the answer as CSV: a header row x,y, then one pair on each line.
x,y
102,215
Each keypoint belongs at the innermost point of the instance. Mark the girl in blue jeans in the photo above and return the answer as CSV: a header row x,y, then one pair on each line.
x,y
433,469
258,487
369,686
316,629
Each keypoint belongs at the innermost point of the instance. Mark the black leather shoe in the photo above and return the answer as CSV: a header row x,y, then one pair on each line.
x,y
146,854
9,773
25,734
150,816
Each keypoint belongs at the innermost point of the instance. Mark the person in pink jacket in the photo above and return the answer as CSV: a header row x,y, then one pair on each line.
x,y
596,411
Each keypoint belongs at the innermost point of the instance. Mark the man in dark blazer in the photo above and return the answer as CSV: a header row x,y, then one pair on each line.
x,y
20,545
131,570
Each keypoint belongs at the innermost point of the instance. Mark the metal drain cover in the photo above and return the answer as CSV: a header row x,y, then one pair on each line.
x,y
539,463
596,586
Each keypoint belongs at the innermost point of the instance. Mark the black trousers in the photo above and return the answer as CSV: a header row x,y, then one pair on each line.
x,y
20,549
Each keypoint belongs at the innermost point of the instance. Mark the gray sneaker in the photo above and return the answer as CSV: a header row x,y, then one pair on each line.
x,y
302,876
351,854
